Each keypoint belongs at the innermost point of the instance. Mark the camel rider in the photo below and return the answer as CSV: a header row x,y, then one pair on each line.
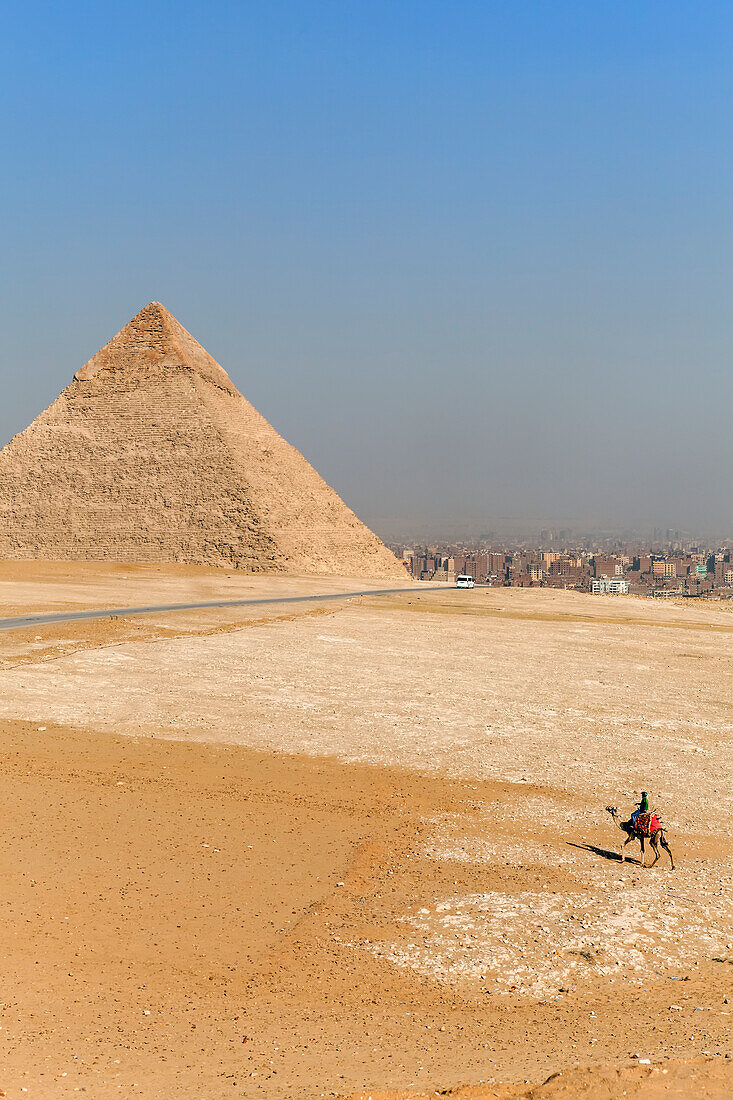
x,y
643,808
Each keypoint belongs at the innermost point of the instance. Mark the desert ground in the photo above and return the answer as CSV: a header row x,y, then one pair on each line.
x,y
360,848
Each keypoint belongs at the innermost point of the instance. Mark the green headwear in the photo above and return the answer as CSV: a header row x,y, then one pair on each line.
x,y
644,805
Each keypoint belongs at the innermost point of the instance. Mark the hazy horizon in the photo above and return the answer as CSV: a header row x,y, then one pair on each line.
x,y
473,261
509,531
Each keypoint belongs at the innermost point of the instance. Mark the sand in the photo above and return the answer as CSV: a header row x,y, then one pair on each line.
x,y
361,848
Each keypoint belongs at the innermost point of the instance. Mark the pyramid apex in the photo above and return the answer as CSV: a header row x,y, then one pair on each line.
x,y
153,340
154,307
151,312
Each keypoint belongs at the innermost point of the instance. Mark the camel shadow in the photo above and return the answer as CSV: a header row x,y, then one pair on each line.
x,y
604,853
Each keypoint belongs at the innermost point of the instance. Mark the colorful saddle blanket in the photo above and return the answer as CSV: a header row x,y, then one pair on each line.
x,y
646,824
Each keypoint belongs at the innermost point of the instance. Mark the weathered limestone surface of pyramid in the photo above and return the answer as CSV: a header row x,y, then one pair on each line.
x,y
152,455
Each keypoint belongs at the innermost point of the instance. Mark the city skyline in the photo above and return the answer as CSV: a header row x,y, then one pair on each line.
x,y
675,571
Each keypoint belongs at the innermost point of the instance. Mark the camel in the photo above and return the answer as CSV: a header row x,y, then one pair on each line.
x,y
655,839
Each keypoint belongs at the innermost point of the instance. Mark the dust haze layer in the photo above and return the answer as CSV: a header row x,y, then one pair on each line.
x,y
152,455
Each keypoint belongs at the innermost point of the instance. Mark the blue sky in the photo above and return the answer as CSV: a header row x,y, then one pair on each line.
x,y
473,259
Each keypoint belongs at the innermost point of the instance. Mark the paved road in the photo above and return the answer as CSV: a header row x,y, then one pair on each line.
x,y
70,616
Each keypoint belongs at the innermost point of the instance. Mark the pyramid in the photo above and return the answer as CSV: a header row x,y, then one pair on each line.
x,y
152,455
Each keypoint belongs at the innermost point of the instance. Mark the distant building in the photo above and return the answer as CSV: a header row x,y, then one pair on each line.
x,y
607,567
604,585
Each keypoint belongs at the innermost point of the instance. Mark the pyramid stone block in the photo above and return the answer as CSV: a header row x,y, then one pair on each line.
x,y
152,455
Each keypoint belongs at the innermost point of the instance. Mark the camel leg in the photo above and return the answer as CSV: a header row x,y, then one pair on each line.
x,y
667,849
641,838
654,841
627,841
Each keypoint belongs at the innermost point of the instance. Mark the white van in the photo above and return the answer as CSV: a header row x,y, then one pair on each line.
x,y
464,581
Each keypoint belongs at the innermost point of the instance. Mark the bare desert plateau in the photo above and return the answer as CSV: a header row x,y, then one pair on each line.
x,y
360,848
